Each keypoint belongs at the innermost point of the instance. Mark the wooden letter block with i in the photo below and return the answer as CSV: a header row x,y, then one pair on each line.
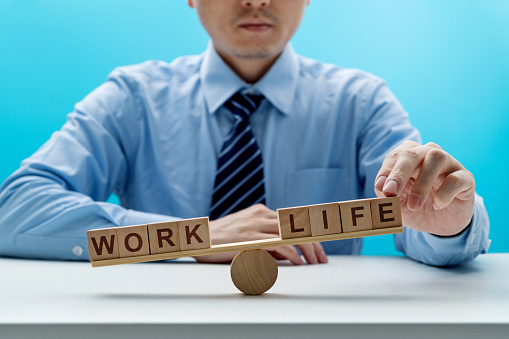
x,y
194,234
133,241
164,237
386,212
355,215
102,244
324,219
294,222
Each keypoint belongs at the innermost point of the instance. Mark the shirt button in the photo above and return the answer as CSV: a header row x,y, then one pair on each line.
x,y
77,251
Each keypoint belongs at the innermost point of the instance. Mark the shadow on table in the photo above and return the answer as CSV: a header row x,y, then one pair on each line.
x,y
265,296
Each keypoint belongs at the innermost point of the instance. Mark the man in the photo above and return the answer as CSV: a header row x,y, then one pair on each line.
x,y
235,133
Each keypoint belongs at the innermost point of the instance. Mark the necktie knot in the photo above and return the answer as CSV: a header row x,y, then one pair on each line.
x,y
244,105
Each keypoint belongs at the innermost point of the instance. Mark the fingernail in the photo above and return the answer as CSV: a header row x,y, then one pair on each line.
x,y
436,206
414,202
391,187
380,182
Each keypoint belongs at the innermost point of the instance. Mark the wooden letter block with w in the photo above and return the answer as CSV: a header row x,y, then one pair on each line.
x,y
103,244
194,234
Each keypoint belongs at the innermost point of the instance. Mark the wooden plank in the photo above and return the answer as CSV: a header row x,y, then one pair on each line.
x,y
247,245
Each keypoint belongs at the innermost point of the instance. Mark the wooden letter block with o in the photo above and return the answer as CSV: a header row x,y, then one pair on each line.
x,y
355,215
194,234
102,244
133,241
294,222
386,212
324,219
164,237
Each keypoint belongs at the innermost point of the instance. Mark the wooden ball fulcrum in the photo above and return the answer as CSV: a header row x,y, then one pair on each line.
x,y
253,272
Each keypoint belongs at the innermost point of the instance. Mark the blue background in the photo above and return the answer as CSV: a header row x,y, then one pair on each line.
x,y
447,62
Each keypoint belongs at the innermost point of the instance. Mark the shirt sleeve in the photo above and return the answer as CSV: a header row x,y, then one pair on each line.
x,y
386,127
59,193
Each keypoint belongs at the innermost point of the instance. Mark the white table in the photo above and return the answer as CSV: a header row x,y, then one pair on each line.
x,y
351,297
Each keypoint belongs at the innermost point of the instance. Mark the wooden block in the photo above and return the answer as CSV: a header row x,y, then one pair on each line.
x,y
355,215
294,222
163,237
324,219
194,233
102,244
386,212
253,272
133,241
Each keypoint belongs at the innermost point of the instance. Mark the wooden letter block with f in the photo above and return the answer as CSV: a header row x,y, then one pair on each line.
x,y
355,215
102,244
194,234
294,222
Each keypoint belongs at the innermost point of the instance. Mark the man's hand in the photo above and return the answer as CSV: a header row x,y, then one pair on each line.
x,y
436,191
255,223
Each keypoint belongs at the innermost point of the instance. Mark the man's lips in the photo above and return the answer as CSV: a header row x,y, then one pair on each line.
x,y
255,25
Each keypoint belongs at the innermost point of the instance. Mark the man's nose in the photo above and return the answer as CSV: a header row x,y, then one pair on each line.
x,y
255,3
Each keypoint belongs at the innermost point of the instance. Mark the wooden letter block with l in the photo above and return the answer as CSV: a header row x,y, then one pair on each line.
x,y
355,215
133,241
164,237
294,222
324,219
386,212
102,244
194,234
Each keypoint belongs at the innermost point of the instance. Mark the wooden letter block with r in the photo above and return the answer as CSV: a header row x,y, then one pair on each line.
x,y
194,234
164,237
102,244
294,222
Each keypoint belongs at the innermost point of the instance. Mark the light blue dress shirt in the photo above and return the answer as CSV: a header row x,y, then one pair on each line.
x,y
152,132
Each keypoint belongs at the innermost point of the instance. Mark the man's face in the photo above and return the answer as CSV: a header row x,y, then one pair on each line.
x,y
251,29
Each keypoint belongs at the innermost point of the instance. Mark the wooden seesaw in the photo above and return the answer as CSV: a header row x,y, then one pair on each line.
x,y
253,270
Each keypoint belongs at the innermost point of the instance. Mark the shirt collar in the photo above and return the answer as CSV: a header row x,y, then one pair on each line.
x,y
277,85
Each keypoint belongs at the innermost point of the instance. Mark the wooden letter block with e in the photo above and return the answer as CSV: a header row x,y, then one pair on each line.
x,y
324,219
294,222
386,212
194,234
164,237
355,215
133,241
102,244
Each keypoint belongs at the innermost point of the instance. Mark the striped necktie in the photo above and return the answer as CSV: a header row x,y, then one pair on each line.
x,y
239,177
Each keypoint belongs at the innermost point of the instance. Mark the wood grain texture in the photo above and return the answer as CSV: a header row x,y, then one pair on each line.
x,y
163,237
324,219
133,241
103,244
194,234
355,215
246,245
386,212
253,272
294,222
